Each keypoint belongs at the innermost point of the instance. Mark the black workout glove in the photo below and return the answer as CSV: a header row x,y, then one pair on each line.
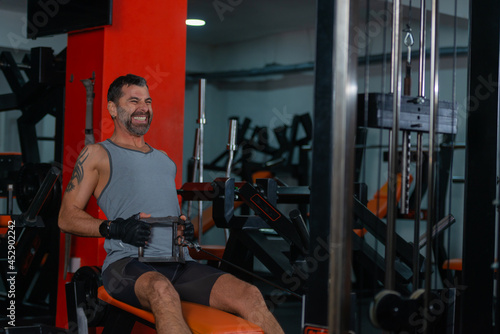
x,y
188,230
131,230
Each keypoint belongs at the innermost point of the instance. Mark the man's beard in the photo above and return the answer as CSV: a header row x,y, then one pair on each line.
x,y
134,129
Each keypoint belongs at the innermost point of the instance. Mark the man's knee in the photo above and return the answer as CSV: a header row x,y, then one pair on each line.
x,y
253,306
164,288
153,285
249,299
234,295
253,294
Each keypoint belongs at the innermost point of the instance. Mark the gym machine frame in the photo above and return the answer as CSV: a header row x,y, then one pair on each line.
x,y
481,172
334,119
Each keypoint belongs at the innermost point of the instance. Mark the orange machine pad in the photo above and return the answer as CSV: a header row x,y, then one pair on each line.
x,y
200,318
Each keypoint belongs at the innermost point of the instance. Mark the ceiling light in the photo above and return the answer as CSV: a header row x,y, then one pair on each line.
x,y
195,22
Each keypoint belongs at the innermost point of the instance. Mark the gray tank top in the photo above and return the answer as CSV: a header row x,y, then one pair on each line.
x,y
139,182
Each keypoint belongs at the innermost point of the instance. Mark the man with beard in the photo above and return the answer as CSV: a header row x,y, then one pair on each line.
x,y
128,176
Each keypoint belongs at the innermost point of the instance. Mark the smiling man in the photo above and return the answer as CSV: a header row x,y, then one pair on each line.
x,y
131,180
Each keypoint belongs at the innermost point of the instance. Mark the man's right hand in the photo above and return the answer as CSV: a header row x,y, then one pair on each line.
x,y
131,230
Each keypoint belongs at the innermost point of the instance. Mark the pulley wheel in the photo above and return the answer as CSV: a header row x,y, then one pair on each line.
x,y
385,308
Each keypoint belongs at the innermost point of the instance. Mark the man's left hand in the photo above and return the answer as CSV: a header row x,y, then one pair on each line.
x,y
188,231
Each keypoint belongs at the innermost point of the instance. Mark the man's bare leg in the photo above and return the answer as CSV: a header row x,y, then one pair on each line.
x,y
156,293
236,296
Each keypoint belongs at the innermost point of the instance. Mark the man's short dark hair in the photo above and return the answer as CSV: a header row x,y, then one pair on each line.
x,y
115,89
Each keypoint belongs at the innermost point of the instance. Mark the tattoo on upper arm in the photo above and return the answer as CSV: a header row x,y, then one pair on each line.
x,y
78,171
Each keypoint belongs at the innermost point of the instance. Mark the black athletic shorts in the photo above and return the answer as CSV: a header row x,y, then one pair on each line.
x,y
192,280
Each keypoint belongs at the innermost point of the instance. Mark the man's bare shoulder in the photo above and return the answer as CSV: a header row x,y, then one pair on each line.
x,y
97,150
91,164
93,156
93,153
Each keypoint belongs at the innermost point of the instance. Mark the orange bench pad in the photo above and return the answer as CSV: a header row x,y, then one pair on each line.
x,y
200,318
378,204
453,264
4,220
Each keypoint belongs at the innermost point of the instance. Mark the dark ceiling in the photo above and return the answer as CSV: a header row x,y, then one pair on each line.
x,y
229,21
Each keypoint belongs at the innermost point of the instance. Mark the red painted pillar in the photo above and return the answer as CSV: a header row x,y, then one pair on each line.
x,y
146,39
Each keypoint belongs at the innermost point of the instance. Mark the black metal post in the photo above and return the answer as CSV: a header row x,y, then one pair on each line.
x,y
315,310
332,184
480,171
